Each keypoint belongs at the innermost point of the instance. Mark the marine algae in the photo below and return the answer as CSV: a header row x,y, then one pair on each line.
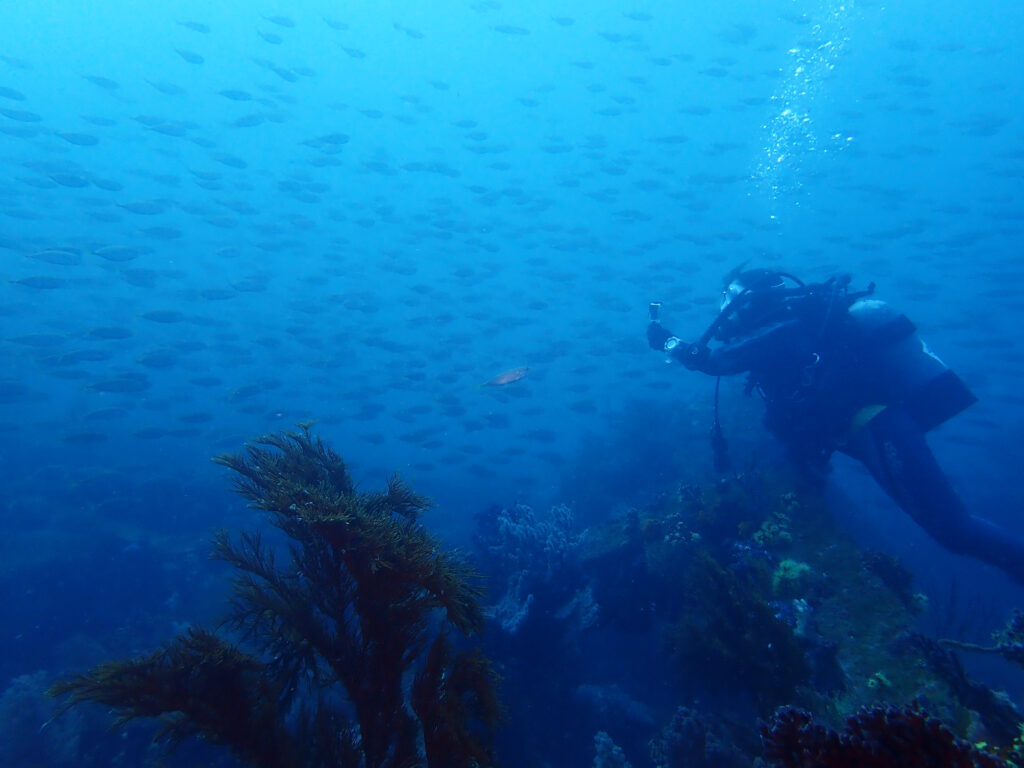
x,y
365,601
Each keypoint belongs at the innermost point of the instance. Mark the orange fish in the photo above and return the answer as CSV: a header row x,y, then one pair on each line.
x,y
507,377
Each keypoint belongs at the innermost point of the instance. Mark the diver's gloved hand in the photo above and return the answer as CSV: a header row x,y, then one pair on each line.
x,y
657,335
695,356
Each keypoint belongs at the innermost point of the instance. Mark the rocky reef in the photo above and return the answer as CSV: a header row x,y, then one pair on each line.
x,y
879,737
716,608
720,624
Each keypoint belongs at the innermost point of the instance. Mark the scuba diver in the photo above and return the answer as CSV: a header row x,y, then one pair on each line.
x,y
841,370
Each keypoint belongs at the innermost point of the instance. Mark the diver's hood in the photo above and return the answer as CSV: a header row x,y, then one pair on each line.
x,y
743,283
752,297
738,283
732,290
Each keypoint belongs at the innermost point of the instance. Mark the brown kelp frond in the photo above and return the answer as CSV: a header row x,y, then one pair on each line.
x,y
370,545
289,472
341,624
399,499
454,698
385,552
328,738
474,675
458,589
198,684
275,608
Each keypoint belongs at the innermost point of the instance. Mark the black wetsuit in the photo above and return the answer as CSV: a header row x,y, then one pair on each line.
x,y
853,375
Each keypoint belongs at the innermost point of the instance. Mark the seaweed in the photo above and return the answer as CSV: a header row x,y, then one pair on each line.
x,y
198,684
365,601
732,635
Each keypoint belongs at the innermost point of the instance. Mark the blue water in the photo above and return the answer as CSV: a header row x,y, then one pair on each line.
x,y
223,219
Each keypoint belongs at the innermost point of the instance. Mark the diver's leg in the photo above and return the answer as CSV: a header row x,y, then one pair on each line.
x,y
893,447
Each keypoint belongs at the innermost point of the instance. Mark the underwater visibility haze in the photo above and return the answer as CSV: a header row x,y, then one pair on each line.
x,y
422,238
